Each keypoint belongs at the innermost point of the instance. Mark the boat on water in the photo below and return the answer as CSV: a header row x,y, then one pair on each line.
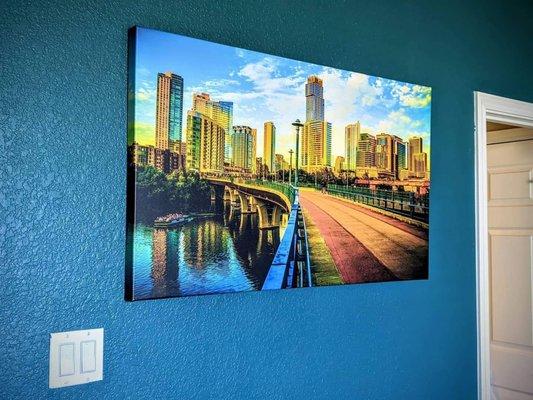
x,y
174,220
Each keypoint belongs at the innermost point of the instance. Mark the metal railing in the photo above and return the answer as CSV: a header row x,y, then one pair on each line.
x,y
402,203
285,188
291,266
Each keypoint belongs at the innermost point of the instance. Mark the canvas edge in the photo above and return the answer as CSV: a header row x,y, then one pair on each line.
x,y
130,175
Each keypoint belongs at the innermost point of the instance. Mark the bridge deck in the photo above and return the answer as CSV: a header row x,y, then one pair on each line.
x,y
365,245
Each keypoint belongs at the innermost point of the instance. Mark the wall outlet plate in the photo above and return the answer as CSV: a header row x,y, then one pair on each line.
x,y
76,357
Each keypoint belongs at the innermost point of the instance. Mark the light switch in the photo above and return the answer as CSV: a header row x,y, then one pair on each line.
x,y
88,356
76,357
66,359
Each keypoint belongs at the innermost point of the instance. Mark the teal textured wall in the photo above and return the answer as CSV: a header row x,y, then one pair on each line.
x,y
62,205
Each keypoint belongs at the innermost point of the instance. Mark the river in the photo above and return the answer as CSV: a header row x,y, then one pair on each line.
x,y
220,254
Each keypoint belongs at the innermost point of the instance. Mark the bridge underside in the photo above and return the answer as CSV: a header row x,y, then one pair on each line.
x,y
268,207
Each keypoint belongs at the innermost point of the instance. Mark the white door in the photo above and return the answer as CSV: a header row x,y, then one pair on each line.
x,y
510,207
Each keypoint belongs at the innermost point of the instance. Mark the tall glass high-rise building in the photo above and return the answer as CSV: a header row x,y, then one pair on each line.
x,y
243,145
205,143
314,99
366,151
224,114
169,110
415,147
219,111
269,145
351,139
316,137
401,150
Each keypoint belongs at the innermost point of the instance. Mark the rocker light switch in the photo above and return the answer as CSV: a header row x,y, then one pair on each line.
x,y
76,357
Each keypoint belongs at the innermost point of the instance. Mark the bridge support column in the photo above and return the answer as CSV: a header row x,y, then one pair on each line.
x,y
234,198
266,222
245,203
227,194
276,216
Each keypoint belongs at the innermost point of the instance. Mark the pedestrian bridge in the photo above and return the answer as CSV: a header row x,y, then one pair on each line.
x,y
271,201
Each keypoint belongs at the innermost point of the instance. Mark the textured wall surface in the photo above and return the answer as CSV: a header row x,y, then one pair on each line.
x,y
62,205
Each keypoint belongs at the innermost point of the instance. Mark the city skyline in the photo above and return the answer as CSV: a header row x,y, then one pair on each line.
x,y
269,88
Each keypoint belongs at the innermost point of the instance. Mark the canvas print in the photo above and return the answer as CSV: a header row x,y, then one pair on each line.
x,y
252,172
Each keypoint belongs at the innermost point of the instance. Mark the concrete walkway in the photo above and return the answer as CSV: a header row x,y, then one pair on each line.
x,y
365,245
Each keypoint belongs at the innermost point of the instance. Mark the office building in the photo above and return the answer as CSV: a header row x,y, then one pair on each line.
x,y
339,165
169,110
242,148
314,99
269,145
351,137
221,112
205,144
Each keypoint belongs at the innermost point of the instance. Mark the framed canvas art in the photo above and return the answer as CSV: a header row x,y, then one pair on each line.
x,y
251,172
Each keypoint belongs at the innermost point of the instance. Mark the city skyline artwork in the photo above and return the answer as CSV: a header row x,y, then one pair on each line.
x,y
253,172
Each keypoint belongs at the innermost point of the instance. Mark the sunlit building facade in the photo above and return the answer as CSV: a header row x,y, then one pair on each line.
x,y
420,161
339,165
254,151
269,145
316,140
169,110
415,147
314,99
316,145
366,151
221,112
242,147
205,144
351,138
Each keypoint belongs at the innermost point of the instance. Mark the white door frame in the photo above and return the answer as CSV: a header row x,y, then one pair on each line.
x,y
513,112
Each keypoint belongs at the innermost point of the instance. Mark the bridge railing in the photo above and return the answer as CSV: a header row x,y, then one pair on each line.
x,y
402,203
285,188
291,266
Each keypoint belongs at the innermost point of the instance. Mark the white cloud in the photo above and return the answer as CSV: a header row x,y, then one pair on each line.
x,y
415,96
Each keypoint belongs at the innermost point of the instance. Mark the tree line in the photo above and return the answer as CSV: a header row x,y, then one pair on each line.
x,y
157,193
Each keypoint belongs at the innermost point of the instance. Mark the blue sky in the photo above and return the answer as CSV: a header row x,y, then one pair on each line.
x,y
269,88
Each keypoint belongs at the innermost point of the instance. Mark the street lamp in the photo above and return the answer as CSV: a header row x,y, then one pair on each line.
x,y
290,166
298,125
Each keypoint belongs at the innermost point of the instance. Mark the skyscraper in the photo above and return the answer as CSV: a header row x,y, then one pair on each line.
x,y
339,164
221,112
390,155
420,161
314,99
242,147
415,147
316,137
169,110
351,136
401,150
254,150
316,145
279,162
205,143
269,143
366,151
385,159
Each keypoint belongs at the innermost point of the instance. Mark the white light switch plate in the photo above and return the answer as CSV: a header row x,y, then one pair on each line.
x,y
76,357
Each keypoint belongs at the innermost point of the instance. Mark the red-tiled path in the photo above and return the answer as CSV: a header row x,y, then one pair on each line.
x,y
367,246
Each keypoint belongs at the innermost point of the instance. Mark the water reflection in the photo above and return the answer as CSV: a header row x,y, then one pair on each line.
x,y
223,253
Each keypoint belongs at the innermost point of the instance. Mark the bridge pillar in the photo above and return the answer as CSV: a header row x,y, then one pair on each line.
x,y
227,193
265,222
245,218
234,198
245,203
276,216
